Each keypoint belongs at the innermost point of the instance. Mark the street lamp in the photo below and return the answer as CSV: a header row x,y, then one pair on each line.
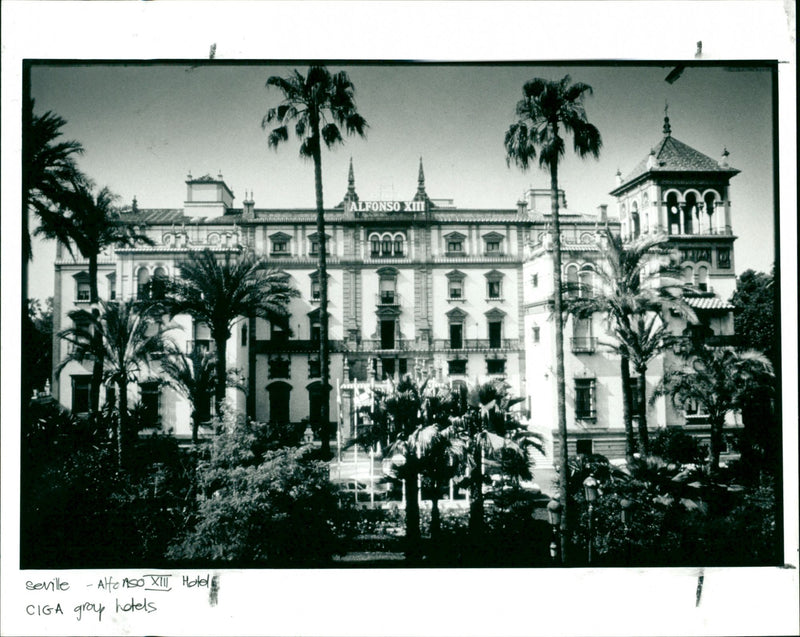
x,y
590,492
554,513
626,512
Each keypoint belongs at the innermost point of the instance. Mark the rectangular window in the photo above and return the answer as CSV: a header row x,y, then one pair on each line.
x,y
398,248
455,289
80,394
455,245
492,246
244,335
457,367
278,334
150,398
278,368
583,447
494,289
316,333
535,280
403,366
280,247
84,291
456,336
584,398
388,367
314,367
723,258
315,247
375,250
315,292
494,366
495,334
536,334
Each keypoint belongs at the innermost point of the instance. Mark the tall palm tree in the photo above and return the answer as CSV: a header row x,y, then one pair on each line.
x,y
195,378
545,108
622,272
720,380
218,289
91,223
127,336
493,433
317,105
48,167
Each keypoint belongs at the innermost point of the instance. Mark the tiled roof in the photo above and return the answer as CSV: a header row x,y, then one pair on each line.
x,y
673,155
169,216
707,303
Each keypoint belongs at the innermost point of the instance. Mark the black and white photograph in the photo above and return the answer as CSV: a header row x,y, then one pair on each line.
x,y
388,319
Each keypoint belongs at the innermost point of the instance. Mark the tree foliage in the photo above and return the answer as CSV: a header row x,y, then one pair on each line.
x,y
755,320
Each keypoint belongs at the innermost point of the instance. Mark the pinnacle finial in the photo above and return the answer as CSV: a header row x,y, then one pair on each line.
x,y
421,177
667,127
421,194
351,178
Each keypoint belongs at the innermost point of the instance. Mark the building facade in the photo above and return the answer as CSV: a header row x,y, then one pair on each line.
x,y
421,286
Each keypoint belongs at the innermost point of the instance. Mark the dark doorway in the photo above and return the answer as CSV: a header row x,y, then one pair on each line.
x,y
387,334
456,336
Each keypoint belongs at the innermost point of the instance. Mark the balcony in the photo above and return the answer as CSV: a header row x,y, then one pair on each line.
x,y
388,299
583,344
396,345
294,346
475,345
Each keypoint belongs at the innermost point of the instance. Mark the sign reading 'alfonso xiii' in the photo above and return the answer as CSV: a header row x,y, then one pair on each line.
x,y
387,206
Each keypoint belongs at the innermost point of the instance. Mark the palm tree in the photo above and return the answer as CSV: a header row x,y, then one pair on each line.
x,y
91,223
216,290
48,167
195,378
621,277
544,108
318,105
493,434
720,380
127,336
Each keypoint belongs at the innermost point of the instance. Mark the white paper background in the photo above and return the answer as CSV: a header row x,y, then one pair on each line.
x,y
403,602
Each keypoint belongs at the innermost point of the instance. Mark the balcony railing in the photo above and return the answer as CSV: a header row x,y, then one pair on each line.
x,y
584,344
388,299
395,345
475,344
294,346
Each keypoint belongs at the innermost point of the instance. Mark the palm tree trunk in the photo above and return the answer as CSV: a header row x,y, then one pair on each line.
x,y
476,494
627,407
716,442
436,520
222,373
641,387
412,516
559,329
195,425
97,338
122,420
324,347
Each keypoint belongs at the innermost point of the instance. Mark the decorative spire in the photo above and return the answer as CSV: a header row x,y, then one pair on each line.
x,y
667,127
134,205
351,184
421,194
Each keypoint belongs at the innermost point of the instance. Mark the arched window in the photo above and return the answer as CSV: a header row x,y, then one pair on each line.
x,y
702,278
586,281
635,225
279,402
710,201
572,280
159,284
673,214
690,214
688,275
143,284
399,245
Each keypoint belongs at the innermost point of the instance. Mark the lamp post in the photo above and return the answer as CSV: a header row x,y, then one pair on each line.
x,y
590,492
554,513
626,511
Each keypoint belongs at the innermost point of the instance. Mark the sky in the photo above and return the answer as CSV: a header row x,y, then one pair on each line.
x,y
146,126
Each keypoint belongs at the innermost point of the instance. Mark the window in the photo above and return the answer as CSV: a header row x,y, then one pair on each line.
x,y
582,340
492,247
83,291
315,247
387,244
81,387
314,244
455,245
536,334
455,289
279,402
456,335
723,258
158,285
316,330
494,289
143,284
278,334
584,398
457,367
280,244
493,243
278,368
398,246
572,281
112,286
387,334
535,280
495,334
583,447
388,367
280,247
244,335
314,366
149,398
387,286
315,290
375,247
495,366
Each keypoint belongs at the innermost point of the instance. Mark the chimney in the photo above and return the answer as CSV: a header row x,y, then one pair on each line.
x,y
522,207
603,210
248,205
